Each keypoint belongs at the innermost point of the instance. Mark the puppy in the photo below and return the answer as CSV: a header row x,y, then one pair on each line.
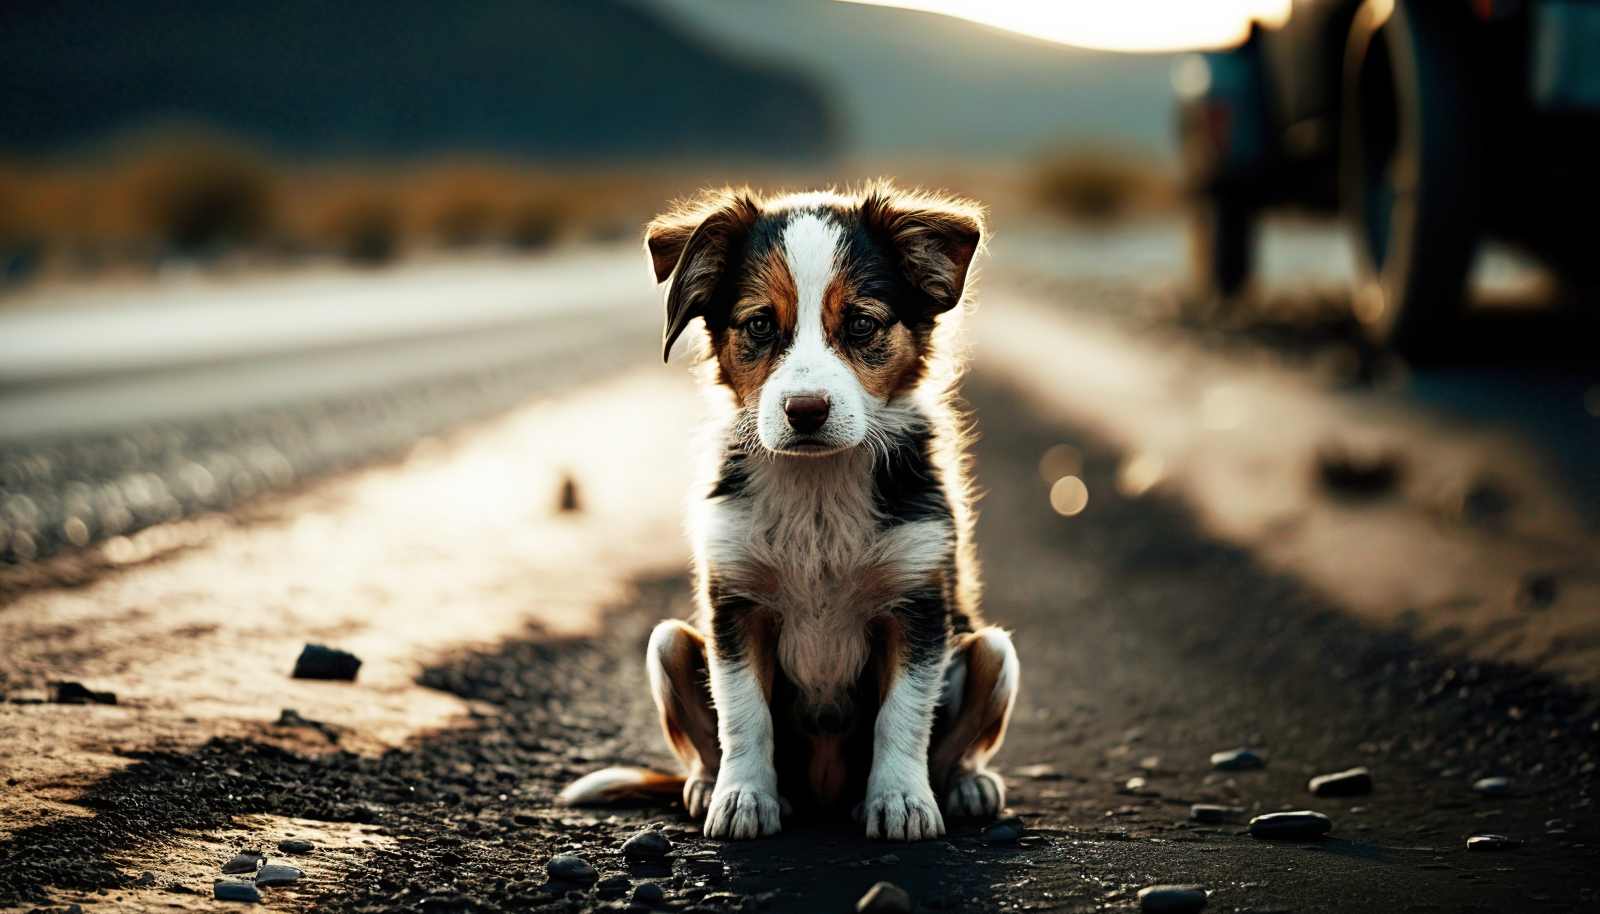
x,y
837,660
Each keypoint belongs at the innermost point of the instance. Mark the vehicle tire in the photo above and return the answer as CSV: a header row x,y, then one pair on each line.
x,y
1222,238
1408,170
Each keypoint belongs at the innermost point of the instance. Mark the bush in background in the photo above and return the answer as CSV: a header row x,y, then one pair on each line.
x,y
205,200
1095,185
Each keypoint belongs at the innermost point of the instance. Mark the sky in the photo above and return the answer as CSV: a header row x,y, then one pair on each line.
x,y
1142,26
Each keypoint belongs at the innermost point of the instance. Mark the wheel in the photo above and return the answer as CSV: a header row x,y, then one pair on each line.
x,y
1222,238
1408,170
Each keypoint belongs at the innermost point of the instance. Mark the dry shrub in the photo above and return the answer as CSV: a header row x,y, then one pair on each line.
x,y
536,224
366,230
202,199
1094,184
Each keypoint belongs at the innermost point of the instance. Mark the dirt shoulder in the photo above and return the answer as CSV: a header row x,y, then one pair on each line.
x,y
1146,644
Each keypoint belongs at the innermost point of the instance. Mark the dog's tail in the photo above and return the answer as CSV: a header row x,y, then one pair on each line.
x,y
613,785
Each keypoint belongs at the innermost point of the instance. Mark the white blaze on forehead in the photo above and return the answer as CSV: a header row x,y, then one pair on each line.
x,y
811,367
811,246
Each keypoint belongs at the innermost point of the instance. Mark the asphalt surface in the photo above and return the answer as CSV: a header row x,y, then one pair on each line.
x,y
121,410
1145,647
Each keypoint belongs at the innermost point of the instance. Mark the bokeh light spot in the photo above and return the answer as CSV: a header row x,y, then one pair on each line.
x,y
1061,460
1140,473
1069,496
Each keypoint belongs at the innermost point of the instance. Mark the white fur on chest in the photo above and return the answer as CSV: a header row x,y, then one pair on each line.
x,y
803,540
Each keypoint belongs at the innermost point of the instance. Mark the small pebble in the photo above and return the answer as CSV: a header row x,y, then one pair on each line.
x,y
145,879
277,874
1495,787
889,860
567,868
649,893
1172,899
1236,760
884,898
237,891
1002,832
1493,843
712,871
75,693
247,862
318,662
1353,783
296,846
1298,825
1208,814
613,886
647,845
1038,772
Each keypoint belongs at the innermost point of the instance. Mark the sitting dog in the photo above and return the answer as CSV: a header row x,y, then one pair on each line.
x,y
837,659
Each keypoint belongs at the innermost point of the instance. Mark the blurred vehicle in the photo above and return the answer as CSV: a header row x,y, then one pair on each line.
x,y
1428,124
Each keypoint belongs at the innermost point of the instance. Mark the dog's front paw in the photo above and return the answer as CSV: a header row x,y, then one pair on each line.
x,y
976,794
697,793
742,811
901,813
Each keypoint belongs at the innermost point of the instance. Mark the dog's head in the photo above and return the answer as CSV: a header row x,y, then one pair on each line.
x,y
820,307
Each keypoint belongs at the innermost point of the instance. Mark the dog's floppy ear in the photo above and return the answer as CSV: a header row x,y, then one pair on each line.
x,y
691,246
935,236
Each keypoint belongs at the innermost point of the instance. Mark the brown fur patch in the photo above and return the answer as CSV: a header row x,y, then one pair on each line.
x,y
828,772
980,724
771,284
888,651
761,648
688,718
743,366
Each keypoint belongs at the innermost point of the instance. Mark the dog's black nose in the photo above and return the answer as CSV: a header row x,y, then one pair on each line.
x,y
806,414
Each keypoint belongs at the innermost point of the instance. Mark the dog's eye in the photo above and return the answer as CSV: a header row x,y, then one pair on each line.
x,y
759,328
862,328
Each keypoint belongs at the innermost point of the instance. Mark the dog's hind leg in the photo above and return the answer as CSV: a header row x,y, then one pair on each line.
x,y
679,684
980,688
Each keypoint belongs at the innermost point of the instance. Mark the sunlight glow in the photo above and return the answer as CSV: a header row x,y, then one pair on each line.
x,y
1115,25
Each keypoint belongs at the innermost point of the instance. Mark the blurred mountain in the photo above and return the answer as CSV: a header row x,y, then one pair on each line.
x,y
913,83
557,79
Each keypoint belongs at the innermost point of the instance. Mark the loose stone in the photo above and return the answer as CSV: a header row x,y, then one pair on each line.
x,y
145,879
567,868
1488,843
712,871
1209,814
1002,832
76,693
647,845
884,898
1353,783
1172,899
649,893
318,662
296,846
237,891
613,886
1236,760
889,860
1495,787
1298,825
247,862
277,874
